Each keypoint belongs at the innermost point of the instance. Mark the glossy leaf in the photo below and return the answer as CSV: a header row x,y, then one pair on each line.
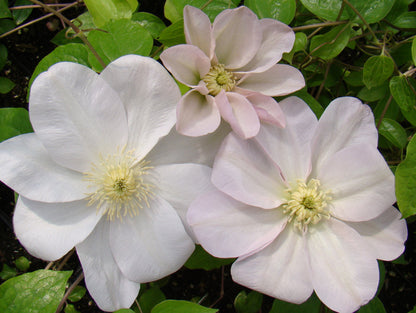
x,y
4,9
20,16
200,259
124,311
150,22
377,70
77,293
248,303
374,306
414,51
7,272
393,132
150,298
173,34
22,263
104,11
312,305
281,10
315,106
330,44
13,122
180,306
354,78
70,308
403,91
300,43
406,20
373,94
35,292
6,85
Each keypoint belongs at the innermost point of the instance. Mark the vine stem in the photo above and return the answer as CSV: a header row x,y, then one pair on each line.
x,y
75,28
326,24
68,292
384,112
34,6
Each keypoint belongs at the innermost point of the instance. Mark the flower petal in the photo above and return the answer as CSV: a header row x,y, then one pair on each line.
x,y
385,234
280,270
345,122
290,147
27,168
268,110
110,289
278,80
360,181
245,172
76,115
344,270
227,228
239,113
277,39
49,230
149,96
197,115
238,36
198,30
187,63
152,244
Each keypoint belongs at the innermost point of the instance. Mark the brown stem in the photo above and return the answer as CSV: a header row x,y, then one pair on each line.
x,y
34,6
326,24
65,259
321,87
384,111
221,290
68,292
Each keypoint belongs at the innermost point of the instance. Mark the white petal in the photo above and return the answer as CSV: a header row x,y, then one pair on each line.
x,y
290,147
279,80
268,110
238,36
110,289
344,270
27,168
281,270
277,38
49,230
180,184
197,115
361,183
385,234
227,228
187,63
245,172
198,30
152,244
345,122
76,115
149,95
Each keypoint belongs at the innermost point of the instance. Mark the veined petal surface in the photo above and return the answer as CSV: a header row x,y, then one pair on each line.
x,y
198,30
268,110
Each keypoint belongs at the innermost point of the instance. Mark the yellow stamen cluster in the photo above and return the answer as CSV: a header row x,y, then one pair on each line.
x,y
121,185
307,204
218,78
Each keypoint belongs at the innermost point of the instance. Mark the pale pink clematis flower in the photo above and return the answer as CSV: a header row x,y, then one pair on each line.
x,y
232,71
306,208
98,175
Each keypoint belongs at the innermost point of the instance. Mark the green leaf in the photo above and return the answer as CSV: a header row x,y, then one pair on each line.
x,y
77,293
150,22
414,310
70,308
414,50
6,25
84,22
326,9
377,70
373,94
3,55
121,37
20,16
312,305
315,106
301,41
150,298
250,303
173,34
124,311
406,20
13,122
200,259
104,11
7,272
39,291
406,181
403,91
180,306
354,78
374,306
22,263
4,9
393,132
330,44
281,10
6,85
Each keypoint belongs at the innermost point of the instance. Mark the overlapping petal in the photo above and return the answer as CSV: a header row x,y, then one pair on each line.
x,y
198,30
268,110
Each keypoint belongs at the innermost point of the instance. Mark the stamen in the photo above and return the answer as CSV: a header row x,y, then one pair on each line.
x,y
218,78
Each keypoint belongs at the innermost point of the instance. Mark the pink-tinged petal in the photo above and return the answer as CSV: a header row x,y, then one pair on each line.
x,y
345,122
279,80
109,288
290,147
49,230
245,172
152,244
176,148
277,39
238,36
198,30
76,115
280,270
180,184
187,63
360,181
344,270
239,113
268,110
26,167
197,115
149,95
385,234
227,228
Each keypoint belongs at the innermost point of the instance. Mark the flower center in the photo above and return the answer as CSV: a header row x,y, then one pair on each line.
x,y
121,185
307,203
218,78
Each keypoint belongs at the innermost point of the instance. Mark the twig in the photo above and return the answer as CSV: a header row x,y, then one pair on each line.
x,y
321,87
326,24
65,259
221,290
138,305
384,111
34,6
68,292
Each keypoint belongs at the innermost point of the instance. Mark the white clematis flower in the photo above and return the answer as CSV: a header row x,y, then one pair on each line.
x,y
94,175
306,208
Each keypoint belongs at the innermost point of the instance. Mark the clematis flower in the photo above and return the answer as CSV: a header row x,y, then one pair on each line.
x,y
94,176
232,71
306,208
